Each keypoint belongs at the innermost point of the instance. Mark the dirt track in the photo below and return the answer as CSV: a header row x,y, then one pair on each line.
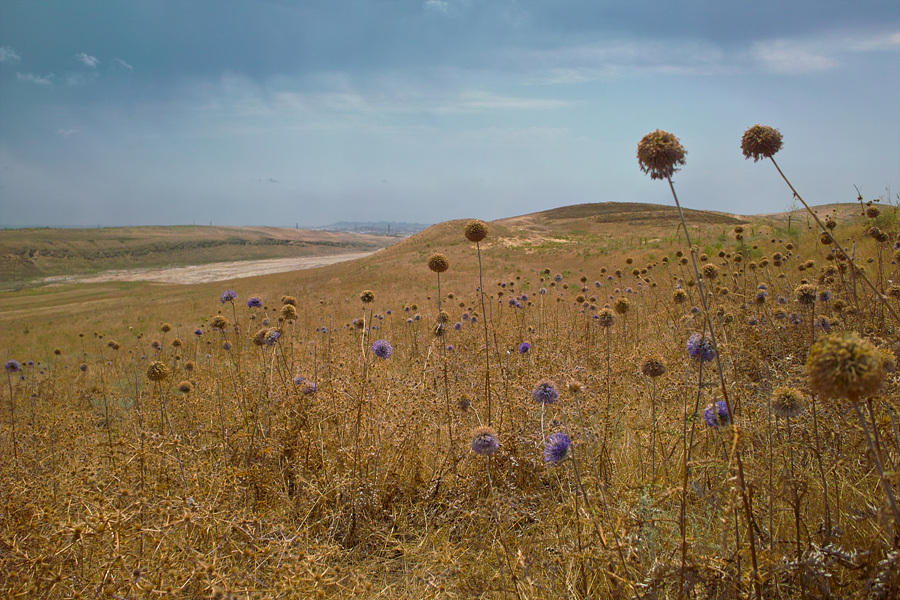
x,y
211,272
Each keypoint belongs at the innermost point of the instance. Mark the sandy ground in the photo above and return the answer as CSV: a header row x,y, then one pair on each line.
x,y
211,272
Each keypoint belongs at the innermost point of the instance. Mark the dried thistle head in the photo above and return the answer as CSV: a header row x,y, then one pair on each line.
x,y
157,371
660,154
438,263
367,296
761,141
485,441
844,365
787,403
476,230
653,366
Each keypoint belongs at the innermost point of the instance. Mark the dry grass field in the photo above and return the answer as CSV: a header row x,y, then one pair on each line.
x,y
381,428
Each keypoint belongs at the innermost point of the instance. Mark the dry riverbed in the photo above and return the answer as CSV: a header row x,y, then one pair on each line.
x,y
210,272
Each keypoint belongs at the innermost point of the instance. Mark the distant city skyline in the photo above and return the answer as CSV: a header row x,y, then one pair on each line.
x,y
275,113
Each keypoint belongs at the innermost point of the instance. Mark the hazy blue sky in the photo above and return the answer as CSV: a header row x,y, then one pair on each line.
x,y
277,112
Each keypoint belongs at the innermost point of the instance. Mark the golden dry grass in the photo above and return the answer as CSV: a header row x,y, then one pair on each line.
x,y
250,486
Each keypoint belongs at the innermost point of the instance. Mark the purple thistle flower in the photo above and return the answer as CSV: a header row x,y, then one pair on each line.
x,y
12,366
700,348
512,302
524,347
545,393
795,319
272,337
542,291
557,447
382,349
310,388
254,302
227,296
484,441
716,415
299,379
449,347
457,326
198,332
557,278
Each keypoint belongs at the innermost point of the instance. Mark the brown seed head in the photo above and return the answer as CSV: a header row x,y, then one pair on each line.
x,y
653,366
476,230
844,365
761,141
438,263
660,154
157,371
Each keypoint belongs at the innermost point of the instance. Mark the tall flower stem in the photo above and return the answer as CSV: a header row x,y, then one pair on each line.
x,y
487,351
740,463
876,457
856,270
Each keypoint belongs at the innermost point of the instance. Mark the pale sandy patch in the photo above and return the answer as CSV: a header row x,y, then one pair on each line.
x,y
212,272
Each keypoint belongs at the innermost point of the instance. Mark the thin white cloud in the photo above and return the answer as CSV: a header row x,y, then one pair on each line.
x,y
66,132
480,101
441,6
122,63
35,79
788,56
88,60
7,54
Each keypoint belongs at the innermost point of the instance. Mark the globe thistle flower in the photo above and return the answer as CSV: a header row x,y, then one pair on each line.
x,y
157,371
226,346
524,347
288,311
254,302
605,318
710,271
227,296
653,366
12,366
218,322
761,141
575,387
545,392
189,366
824,323
679,296
271,337
716,415
660,154
476,230
484,441
382,349
83,367
298,379
844,365
438,263
787,403
198,332
176,343
806,294
557,278
700,348
185,387
622,305
289,300
557,447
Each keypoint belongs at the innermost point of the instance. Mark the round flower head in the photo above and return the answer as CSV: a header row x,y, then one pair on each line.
x,y
679,296
605,317
271,337
484,441
761,141
288,311
622,305
438,263
185,387
545,392
806,294
12,366
557,447
309,389
716,415
524,347
218,322
227,296
367,296
382,349
653,367
299,379
844,365
157,371
787,403
254,302
700,348
476,230
198,332
660,154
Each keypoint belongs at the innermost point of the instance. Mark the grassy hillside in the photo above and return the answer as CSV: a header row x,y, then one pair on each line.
x,y
159,442
26,254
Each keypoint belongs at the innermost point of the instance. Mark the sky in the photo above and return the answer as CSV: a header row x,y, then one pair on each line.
x,y
277,112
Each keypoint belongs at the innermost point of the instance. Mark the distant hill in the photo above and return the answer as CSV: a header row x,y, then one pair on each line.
x,y
395,228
